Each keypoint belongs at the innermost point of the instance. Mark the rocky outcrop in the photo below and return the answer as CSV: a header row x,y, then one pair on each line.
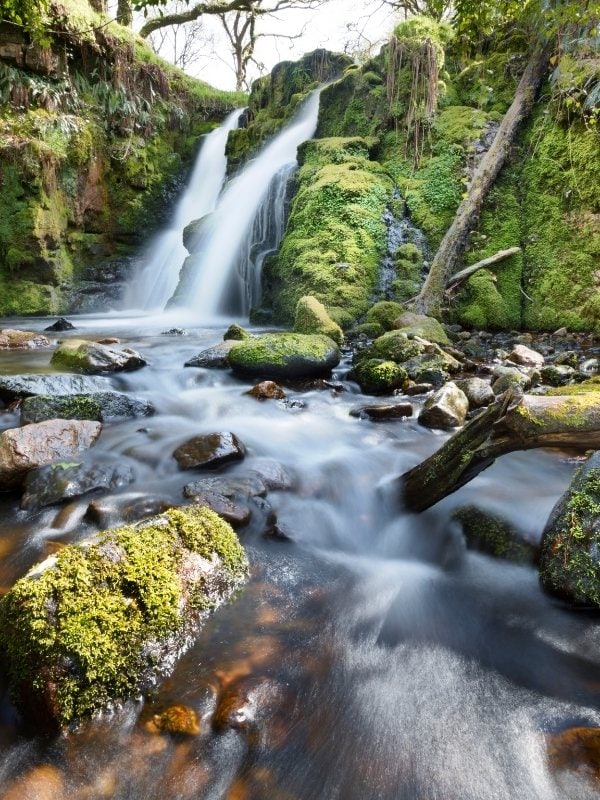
x,y
22,449
129,601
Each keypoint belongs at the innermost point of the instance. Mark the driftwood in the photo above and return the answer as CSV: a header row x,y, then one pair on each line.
x,y
461,276
456,239
508,425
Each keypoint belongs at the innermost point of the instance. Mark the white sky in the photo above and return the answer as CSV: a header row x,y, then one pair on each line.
x,y
325,27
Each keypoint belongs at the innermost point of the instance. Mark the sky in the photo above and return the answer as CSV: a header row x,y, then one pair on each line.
x,y
325,27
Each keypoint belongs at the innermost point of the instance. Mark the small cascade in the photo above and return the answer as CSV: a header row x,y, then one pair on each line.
x,y
235,238
399,232
155,283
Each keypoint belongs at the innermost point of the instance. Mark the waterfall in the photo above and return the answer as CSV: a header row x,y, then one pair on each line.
x,y
230,231
156,282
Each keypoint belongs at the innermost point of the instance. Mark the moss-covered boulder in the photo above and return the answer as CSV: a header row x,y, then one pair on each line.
x,y
312,317
100,406
77,355
235,333
396,346
384,312
422,326
570,560
105,619
285,355
490,533
377,376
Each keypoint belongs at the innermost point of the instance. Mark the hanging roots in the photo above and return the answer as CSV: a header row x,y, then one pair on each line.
x,y
419,103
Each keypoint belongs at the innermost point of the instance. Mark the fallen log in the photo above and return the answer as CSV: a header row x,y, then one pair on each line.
x,y
462,276
508,425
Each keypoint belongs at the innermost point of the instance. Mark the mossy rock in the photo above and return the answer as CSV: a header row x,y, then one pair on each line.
x,y
103,620
285,355
312,317
492,534
236,333
78,355
372,330
421,326
395,346
592,385
376,376
570,560
384,312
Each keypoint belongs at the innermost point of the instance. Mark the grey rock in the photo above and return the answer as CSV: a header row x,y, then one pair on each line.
x,y
101,406
16,387
216,357
51,484
447,408
478,392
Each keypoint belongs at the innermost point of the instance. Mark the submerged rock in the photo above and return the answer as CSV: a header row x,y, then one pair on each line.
x,y
174,332
209,451
54,483
23,449
570,560
61,324
130,601
312,317
178,720
446,408
11,339
227,497
285,355
78,355
489,533
15,387
576,749
216,357
100,406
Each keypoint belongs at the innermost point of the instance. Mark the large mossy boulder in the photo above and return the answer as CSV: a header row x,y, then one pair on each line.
x,y
312,317
377,376
78,355
490,533
285,355
570,560
105,619
385,313
422,326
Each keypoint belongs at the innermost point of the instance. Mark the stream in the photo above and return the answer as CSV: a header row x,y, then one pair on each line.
x,y
370,656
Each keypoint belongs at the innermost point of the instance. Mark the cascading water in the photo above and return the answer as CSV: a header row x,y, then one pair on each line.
x,y
156,282
235,214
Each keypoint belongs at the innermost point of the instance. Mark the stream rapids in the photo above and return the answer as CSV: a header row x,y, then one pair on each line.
x,y
370,657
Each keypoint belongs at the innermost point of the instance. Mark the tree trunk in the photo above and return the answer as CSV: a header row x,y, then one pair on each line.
x,y
125,13
570,421
456,239
99,6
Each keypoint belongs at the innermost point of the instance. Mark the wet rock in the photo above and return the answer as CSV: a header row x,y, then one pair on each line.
x,y
45,486
15,387
237,705
273,474
21,340
418,388
525,356
557,375
489,533
285,355
174,332
109,340
435,367
382,411
376,376
209,451
23,449
78,355
40,783
312,317
569,358
216,357
504,378
235,333
570,559
477,391
101,406
130,600
576,749
447,408
61,324
236,512
267,390
178,720
250,484
590,366
420,325
106,512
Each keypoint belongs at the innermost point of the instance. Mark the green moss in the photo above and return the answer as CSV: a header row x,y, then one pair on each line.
x,y
376,376
76,406
592,385
385,313
285,355
491,534
88,627
312,317
395,346
424,327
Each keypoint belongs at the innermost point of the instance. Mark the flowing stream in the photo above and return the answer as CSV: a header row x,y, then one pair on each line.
x,y
371,655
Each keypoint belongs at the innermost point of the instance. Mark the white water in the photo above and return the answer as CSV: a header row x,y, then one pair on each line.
x,y
236,212
156,282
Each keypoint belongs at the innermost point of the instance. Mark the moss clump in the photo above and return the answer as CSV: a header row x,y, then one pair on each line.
x,y
95,623
236,333
592,385
372,330
385,313
312,317
395,346
376,376
287,355
335,236
76,406
490,533
422,326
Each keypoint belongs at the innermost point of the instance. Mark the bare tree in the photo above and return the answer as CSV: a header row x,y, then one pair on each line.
x,y
125,13
184,44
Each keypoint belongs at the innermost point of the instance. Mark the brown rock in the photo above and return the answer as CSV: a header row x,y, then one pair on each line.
x,y
107,512
525,356
40,783
418,388
177,719
383,411
210,451
40,443
236,513
267,390
445,409
576,749
109,340
11,339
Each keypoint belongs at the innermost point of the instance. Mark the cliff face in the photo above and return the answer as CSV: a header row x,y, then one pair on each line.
x,y
96,133
401,135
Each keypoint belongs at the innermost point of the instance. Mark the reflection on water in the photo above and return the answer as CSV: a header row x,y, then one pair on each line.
x,y
371,657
